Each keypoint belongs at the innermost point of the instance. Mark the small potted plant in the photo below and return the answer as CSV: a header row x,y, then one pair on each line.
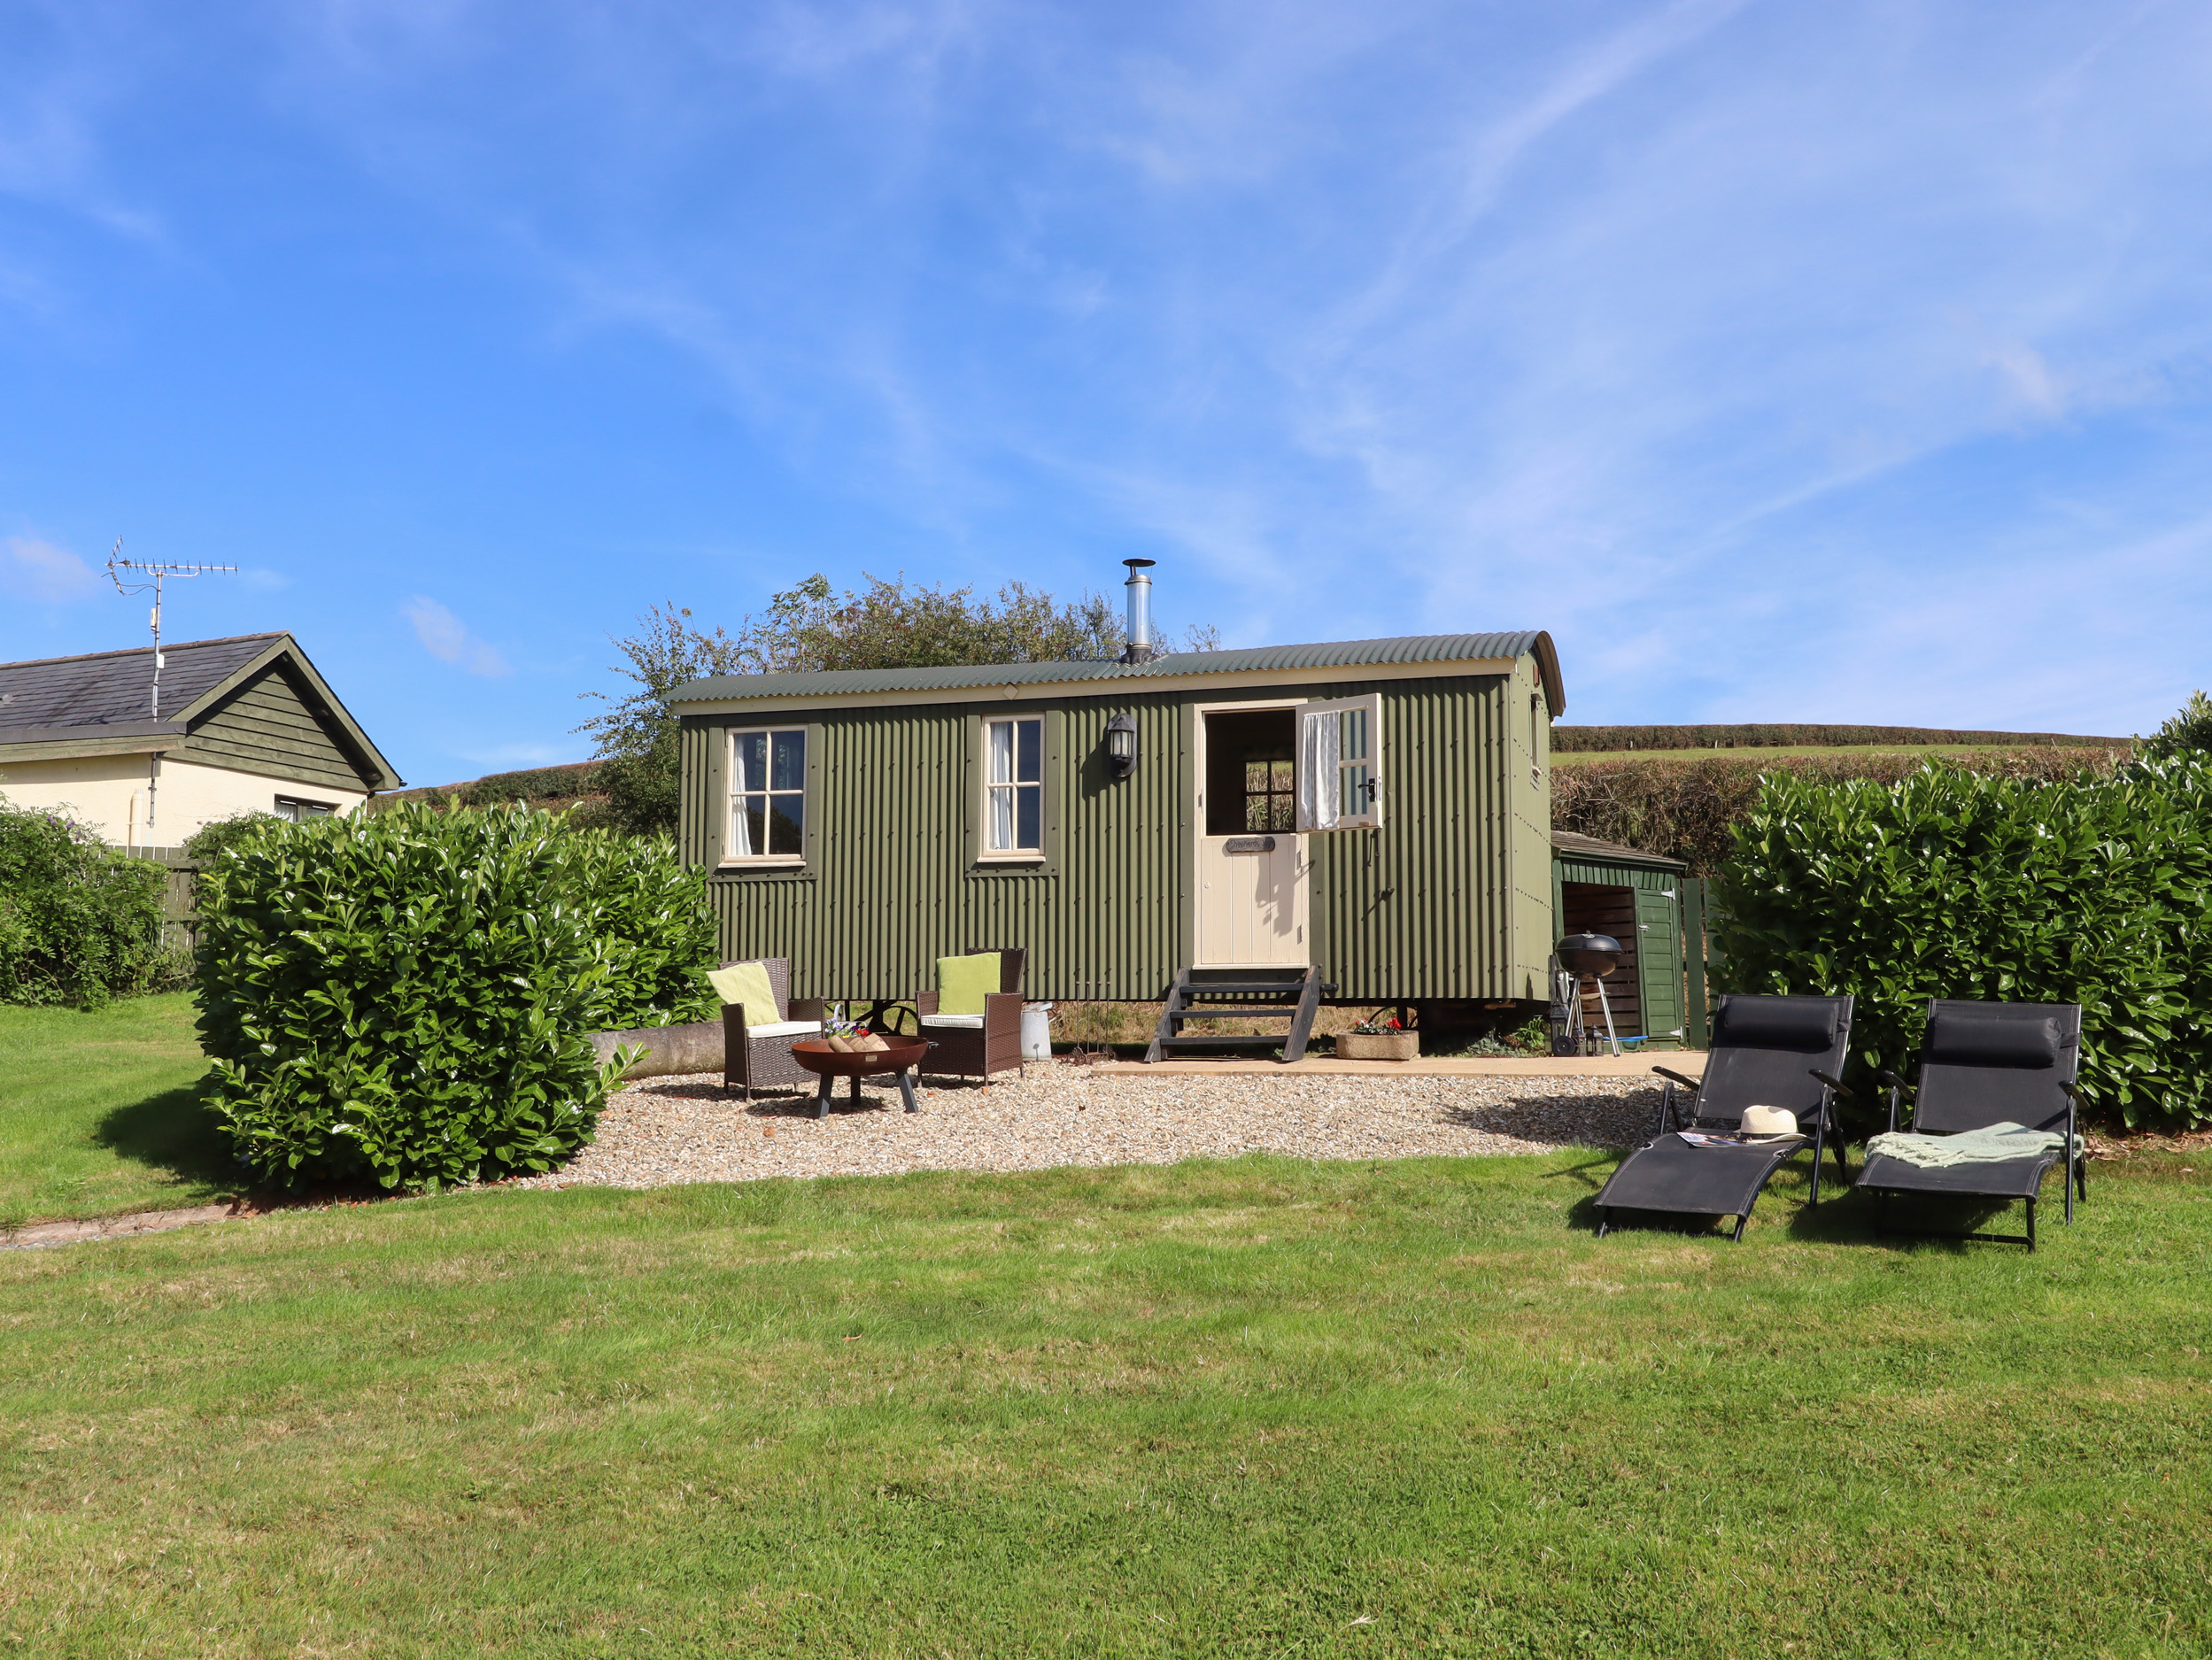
x,y
1379,1037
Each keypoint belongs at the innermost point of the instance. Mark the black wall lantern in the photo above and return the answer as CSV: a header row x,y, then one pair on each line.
x,y
1121,745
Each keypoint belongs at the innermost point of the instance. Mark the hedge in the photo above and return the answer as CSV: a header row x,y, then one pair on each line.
x,y
1688,809
1948,883
406,997
79,922
1568,740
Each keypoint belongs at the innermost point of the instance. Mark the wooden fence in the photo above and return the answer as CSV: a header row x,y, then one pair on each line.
x,y
180,920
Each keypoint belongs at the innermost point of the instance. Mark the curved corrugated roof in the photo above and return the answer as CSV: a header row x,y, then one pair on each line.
x,y
1414,648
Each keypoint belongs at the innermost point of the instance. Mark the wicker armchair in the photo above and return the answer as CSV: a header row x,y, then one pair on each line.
x,y
760,1057
976,1046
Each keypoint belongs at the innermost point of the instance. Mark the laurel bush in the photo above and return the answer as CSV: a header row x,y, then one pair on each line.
x,y
1946,884
218,837
79,922
406,997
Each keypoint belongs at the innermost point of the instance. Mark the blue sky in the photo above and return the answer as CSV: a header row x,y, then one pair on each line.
x,y
1787,361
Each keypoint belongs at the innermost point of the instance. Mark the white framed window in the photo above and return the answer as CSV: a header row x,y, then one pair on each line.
x,y
1340,764
298,808
768,795
1014,788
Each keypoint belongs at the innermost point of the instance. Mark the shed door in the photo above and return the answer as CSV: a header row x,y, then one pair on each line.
x,y
1659,960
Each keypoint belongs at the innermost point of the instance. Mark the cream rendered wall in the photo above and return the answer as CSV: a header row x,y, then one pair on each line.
x,y
107,794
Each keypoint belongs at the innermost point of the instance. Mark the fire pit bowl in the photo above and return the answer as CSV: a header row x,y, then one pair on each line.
x,y
830,1065
818,1058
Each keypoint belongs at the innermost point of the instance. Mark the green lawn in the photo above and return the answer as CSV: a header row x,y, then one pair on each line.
x,y
1258,1407
98,1113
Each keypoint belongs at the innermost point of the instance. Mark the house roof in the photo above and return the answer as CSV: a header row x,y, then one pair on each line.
x,y
101,695
1406,650
114,688
1589,848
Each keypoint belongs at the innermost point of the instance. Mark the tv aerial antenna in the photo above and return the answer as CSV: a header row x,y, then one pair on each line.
x,y
147,576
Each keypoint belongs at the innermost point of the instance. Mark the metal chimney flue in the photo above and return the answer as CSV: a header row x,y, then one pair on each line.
x,y
1140,647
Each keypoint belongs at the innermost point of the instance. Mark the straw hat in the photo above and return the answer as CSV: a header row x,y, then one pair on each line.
x,y
1769,1121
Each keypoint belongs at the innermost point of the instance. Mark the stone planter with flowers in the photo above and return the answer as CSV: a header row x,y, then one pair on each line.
x,y
1378,1038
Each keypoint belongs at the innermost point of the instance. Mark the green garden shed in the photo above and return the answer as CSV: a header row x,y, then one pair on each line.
x,y
1656,909
1374,813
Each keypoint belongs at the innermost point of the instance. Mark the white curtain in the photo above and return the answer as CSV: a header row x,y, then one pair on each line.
x,y
1319,807
1001,799
749,756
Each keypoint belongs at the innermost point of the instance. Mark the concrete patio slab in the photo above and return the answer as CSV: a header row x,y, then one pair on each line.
x,y
1689,1064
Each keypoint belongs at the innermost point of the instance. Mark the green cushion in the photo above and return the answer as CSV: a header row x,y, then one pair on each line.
x,y
962,983
747,982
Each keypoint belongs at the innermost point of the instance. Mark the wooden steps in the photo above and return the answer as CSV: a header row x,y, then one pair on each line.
x,y
1290,995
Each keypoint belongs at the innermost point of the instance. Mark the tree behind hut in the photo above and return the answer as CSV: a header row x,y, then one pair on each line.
x,y
812,629
2190,731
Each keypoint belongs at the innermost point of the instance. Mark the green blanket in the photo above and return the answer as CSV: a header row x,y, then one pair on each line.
x,y
1993,1146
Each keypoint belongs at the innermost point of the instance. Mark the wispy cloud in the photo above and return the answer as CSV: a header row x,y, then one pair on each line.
x,y
1474,170
67,70
2030,380
38,570
448,640
1816,362
1986,634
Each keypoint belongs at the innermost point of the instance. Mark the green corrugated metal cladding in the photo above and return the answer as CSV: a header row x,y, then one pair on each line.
x,y
1450,898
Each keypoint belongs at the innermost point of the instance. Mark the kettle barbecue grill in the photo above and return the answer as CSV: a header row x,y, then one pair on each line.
x,y
1577,958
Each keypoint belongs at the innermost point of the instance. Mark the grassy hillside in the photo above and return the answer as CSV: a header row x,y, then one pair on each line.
x,y
1805,739
553,787
1760,756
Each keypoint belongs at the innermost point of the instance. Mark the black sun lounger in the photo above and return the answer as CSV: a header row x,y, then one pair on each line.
x,y
1984,1064
1766,1052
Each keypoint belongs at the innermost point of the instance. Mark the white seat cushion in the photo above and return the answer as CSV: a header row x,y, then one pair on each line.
x,y
786,1028
964,1022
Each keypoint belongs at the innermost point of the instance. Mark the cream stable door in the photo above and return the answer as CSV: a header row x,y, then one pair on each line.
x,y
1271,781
1252,901
1251,864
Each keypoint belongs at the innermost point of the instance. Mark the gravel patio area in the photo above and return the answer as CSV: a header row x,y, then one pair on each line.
x,y
670,1131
